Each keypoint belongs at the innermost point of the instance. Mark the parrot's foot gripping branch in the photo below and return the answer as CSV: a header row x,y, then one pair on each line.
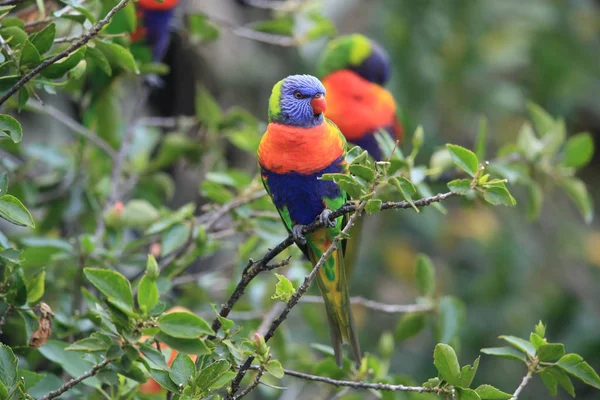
x,y
298,235
325,219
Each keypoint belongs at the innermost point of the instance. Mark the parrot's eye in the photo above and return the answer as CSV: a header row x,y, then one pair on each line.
x,y
298,95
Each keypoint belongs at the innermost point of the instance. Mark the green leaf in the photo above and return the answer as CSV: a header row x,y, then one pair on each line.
x,y
208,110
451,318
223,380
11,255
537,341
444,359
156,357
460,186
181,214
139,214
467,373
283,25
210,376
29,57
576,189
98,58
12,210
30,379
11,128
70,361
504,352
549,381
187,346
541,119
184,325
283,289
499,195
563,380
202,28
114,286
540,329
117,56
467,394
551,351
6,82
529,145
481,138
147,294
574,365
346,183
425,275
8,366
182,369
535,200
91,345
488,392
464,159
406,189
163,379
520,344
64,65
44,39
18,290
274,368
579,150
554,139
373,206
362,172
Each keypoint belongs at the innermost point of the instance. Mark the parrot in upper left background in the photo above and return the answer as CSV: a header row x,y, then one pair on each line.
x,y
354,70
154,22
299,146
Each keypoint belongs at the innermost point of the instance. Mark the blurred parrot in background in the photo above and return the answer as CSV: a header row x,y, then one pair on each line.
x,y
299,146
154,20
354,69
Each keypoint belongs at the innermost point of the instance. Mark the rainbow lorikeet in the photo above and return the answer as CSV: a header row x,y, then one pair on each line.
x,y
353,70
299,146
154,20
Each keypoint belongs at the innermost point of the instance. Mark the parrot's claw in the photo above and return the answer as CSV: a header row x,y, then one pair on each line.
x,y
298,235
325,220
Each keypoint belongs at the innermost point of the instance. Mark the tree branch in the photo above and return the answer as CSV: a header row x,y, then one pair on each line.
x,y
365,385
69,385
376,306
297,295
524,383
65,53
253,385
255,267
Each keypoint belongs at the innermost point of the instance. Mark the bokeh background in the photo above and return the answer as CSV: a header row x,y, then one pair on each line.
x,y
453,62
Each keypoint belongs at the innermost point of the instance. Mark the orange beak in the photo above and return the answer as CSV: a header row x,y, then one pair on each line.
x,y
319,105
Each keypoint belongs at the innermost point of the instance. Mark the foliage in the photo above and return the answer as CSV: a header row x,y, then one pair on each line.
x,y
89,232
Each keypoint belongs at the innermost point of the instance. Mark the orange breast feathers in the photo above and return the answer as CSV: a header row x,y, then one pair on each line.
x,y
285,148
358,106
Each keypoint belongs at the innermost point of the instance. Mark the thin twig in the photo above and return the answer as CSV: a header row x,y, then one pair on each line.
x,y
376,306
253,385
74,126
524,383
255,267
67,386
365,385
65,53
235,384
227,207
252,34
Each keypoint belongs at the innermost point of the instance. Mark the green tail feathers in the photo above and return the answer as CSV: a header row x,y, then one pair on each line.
x,y
334,288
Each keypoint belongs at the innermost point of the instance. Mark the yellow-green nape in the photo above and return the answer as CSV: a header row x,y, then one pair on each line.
x,y
343,52
274,101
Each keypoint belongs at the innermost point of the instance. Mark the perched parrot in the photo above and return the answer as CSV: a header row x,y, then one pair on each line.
x,y
353,70
299,146
154,20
